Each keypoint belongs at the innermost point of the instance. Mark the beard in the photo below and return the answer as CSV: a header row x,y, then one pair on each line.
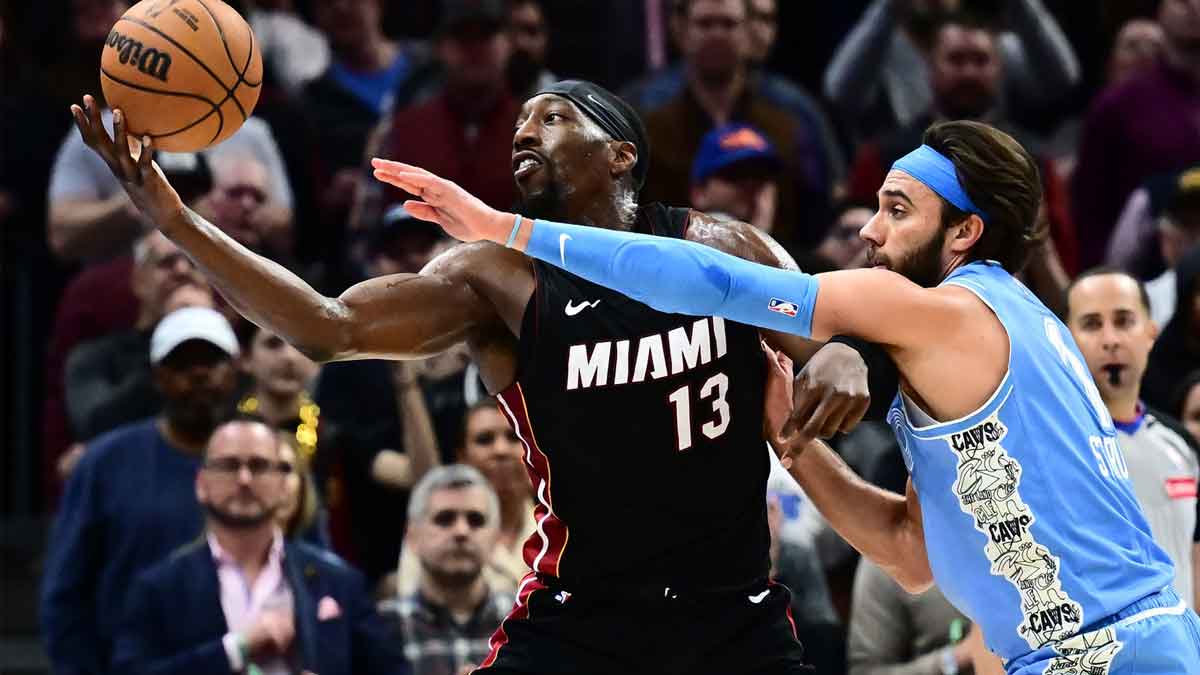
x,y
550,203
236,521
195,419
924,265
453,578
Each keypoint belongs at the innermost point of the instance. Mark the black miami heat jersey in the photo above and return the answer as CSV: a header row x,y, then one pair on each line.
x,y
642,434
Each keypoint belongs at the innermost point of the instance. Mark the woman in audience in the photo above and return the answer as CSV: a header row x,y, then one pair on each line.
x,y
301,515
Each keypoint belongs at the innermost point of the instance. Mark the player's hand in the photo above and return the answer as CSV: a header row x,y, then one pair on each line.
x,y
830,395
130,160
458,212
777,402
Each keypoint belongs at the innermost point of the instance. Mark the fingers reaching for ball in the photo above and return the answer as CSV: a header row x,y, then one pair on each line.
x,y
131,160
128,158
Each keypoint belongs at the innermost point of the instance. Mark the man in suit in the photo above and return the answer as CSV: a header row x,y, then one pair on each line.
x,y
243,600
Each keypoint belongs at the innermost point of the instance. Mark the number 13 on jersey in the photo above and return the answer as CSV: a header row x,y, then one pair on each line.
x,y
713,390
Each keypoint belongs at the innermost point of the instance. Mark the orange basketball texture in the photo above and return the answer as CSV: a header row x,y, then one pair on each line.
x,y
185,72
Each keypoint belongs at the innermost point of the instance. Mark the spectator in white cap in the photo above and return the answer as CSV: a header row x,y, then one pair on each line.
x,y
109,380
131,499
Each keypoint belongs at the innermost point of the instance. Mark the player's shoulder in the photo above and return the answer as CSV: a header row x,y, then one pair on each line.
x,y
474,260
737,238
496,281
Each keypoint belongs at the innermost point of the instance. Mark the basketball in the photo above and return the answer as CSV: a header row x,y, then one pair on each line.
x,y
187,73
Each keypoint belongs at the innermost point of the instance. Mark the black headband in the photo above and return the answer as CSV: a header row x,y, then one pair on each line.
x,y
612,114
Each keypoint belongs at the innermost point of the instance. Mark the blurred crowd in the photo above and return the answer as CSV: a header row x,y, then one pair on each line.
x,y
399,487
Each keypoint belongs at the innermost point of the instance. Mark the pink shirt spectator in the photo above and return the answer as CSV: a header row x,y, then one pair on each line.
x,y
242,603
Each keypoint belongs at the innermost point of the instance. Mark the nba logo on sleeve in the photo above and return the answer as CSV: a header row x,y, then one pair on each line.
x,y
782,306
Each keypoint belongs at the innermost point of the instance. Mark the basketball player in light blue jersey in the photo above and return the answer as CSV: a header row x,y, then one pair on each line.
x,y
1019,503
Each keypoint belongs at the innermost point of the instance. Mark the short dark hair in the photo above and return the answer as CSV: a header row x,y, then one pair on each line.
x,y
1003,180
1104,270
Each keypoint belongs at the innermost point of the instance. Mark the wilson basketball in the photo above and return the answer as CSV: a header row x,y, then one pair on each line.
x,y
185,72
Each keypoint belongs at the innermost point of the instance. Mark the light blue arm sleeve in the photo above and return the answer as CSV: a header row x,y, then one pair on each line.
x,y
680,277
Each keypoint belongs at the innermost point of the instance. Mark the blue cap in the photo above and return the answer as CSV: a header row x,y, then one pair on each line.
x,y
732,144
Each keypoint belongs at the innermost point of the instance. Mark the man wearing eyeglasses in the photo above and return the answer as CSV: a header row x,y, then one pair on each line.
x,y
241,599
453,523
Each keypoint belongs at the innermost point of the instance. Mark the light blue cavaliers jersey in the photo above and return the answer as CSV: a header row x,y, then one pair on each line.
x,y
1030,520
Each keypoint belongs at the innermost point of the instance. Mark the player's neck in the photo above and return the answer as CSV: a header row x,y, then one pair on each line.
x,y
604,211
952,264
717,96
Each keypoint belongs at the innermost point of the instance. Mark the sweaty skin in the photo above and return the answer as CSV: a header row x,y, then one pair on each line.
x,y
956,333
475,292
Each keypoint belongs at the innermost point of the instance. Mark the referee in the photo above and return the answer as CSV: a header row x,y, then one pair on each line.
x,y
1108,312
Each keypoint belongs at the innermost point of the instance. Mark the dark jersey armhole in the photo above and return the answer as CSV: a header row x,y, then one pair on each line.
x,y
530,325
663,221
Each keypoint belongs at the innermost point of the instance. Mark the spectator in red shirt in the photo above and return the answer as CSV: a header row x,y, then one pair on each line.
x,y
464,132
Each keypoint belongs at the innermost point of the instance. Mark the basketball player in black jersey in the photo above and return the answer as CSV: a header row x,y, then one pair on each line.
x,y
642,431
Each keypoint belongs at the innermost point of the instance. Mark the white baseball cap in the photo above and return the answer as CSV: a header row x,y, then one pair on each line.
x,y
191,323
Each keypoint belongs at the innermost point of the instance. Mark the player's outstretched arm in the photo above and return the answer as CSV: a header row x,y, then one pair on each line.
x,y
688,278
882,525
406,316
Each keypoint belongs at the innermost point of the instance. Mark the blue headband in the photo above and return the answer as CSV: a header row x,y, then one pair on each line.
x,y
937,172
